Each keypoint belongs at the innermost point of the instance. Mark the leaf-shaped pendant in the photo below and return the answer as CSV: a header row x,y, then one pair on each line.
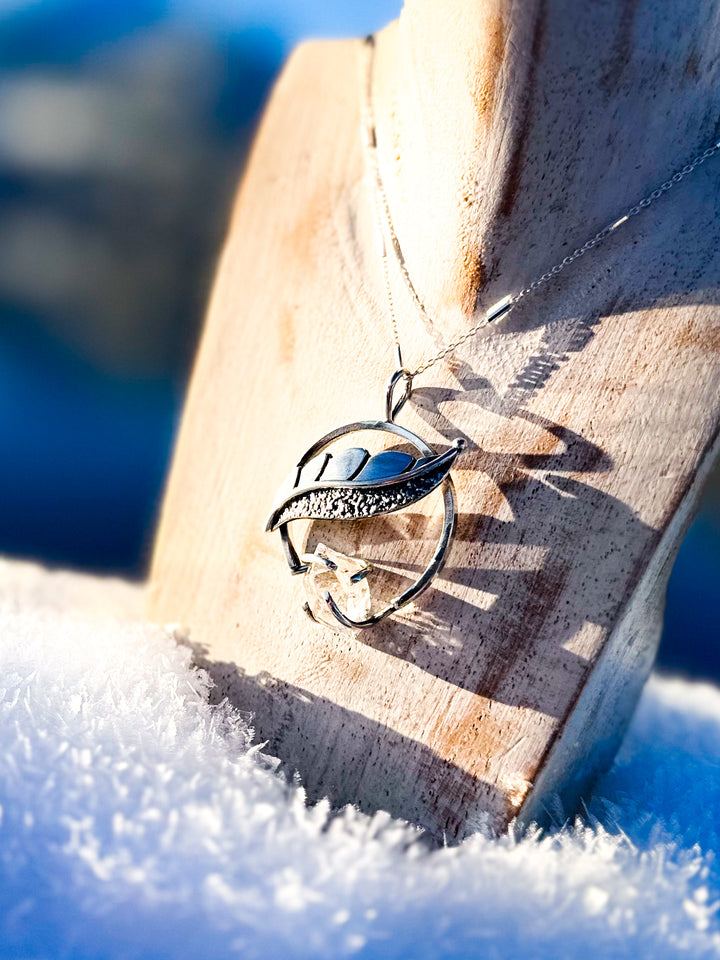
x,y
351,484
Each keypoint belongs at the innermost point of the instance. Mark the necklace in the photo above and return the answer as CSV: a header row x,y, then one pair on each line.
x,y
348,484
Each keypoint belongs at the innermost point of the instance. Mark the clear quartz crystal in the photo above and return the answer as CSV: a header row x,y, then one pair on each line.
x,y
332,572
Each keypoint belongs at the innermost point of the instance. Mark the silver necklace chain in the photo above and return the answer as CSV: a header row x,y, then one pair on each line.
x,y
388,238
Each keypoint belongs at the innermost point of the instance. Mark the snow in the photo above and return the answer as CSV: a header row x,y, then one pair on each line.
x,y
137,821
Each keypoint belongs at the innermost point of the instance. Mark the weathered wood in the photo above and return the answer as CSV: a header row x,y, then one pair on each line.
x,y
508,134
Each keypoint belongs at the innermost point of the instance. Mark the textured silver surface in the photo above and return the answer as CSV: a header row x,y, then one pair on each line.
x,y
354,503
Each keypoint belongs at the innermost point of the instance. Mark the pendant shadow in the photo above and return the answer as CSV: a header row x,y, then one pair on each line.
x,y
522,596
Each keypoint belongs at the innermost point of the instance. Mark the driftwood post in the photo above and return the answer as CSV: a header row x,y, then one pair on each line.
x,y
508,134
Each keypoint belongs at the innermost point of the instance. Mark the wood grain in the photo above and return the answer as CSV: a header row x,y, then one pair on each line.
x,y
508,134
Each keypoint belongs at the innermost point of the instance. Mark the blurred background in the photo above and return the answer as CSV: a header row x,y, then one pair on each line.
x,y
123,129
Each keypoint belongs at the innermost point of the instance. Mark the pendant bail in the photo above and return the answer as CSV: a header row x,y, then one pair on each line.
x,y
391,411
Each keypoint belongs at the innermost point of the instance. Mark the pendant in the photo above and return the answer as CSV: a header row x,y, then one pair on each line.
x,y
351,484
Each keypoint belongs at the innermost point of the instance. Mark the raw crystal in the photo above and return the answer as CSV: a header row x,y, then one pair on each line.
x,y
345,578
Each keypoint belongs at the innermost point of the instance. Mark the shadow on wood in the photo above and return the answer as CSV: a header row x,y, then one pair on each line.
x,y
591,413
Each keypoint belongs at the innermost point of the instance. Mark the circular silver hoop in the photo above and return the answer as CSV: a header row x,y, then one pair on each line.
x,y
448,529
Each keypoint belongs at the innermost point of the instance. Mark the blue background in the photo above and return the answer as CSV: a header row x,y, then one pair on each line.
x,y
122,132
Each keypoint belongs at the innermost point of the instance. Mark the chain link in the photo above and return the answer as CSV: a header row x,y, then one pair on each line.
x,y
387,232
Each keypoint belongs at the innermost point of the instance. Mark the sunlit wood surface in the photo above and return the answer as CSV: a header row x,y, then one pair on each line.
x,y
508,134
